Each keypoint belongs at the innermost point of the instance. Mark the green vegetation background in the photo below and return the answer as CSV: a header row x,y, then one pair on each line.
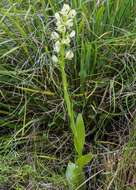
x,y
35,141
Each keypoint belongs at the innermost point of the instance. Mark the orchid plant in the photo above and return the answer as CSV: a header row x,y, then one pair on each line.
x,y
62,52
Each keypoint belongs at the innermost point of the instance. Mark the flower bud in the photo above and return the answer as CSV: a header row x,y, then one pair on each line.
x,y
57,16
54,59
54,36
57,47
65,9
72,13
69,55
72,34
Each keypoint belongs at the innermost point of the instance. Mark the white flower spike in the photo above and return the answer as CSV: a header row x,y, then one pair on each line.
x,y
63,33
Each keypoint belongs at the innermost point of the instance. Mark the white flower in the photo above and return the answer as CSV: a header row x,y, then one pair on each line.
x,y
54,36
65,9
63,32
61,28
57,16
69,23
72,13
69,55
57,46
72,34
54,59
59,22
66,40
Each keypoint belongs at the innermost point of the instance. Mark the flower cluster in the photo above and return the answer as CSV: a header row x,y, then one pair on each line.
x,y
63,32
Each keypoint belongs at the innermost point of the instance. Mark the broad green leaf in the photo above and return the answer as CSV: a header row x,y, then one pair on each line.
x,y
83,160
79,136
75,177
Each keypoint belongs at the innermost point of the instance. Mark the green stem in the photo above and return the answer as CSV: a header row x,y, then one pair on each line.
x,y
65,91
